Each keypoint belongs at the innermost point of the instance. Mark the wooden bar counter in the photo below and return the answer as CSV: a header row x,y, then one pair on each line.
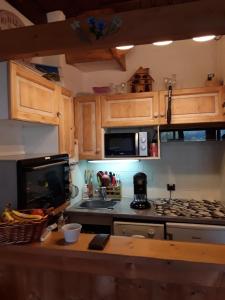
x,y
127,269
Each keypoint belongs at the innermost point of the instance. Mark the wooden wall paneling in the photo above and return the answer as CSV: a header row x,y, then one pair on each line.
x,y
32,282
127,267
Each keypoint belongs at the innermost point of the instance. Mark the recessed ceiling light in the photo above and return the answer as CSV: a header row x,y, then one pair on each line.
x,y
163,43
205,38
128,47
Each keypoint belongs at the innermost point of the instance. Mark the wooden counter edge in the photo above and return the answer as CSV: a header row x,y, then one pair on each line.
x,y
129,247
125,257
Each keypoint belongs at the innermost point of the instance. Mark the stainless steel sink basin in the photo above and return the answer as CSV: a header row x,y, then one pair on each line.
x,y
98,203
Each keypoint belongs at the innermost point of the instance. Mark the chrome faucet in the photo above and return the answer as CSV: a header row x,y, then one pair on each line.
x,y
102,192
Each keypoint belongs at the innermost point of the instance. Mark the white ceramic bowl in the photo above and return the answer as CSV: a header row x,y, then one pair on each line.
x,y
71,232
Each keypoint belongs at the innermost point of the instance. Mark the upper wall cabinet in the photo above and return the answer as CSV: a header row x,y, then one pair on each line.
x,y
199,105
88,130
32,98
66,123
141,109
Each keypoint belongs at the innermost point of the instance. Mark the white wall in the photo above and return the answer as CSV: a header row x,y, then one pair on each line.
x,y
190,61
39,138
20,138
11,139
70,77
78,179
220,58
195,168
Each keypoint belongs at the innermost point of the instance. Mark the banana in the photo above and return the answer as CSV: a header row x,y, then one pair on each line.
x,y
25,217
7,217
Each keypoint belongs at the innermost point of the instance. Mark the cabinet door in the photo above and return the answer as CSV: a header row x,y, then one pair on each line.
x,y
88,127
66,123
32,97
199,105
130,109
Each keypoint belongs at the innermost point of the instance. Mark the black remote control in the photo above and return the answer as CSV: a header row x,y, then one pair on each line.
x,y
99,241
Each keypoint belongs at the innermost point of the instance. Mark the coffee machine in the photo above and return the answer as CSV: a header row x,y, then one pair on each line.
x,y
140,192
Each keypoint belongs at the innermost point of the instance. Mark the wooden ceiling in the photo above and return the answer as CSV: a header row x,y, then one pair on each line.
x,y
173,20
36,10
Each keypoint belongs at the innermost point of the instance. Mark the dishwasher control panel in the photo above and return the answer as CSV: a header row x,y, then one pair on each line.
x,y
142,230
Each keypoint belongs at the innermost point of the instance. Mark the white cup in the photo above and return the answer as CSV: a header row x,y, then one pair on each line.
x,y
71,232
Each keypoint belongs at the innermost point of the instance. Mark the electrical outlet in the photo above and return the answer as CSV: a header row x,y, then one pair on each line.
x,y
171,187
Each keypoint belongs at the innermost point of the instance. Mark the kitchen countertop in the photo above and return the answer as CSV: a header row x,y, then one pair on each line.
x,y
123,211
130,247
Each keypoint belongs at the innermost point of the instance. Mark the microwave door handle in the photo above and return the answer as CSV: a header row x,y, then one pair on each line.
x,y
136,144
48,165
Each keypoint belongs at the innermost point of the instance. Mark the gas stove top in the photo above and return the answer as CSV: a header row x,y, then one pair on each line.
x,y
189,208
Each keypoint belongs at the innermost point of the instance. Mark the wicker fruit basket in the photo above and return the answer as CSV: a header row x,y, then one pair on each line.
x,y
22,232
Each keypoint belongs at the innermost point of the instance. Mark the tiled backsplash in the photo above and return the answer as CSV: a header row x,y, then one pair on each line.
x,y
196,168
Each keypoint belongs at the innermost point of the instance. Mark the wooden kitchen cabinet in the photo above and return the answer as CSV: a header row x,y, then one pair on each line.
x,y
133,109
32,98
66,123
198,105
88,130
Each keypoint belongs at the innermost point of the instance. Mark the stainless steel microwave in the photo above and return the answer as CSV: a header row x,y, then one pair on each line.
x,y
28,181
127,144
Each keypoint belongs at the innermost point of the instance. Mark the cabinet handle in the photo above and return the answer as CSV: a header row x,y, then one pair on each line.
x,y
97,151
151,234
162,115
155,115
223,105
169,236
58,114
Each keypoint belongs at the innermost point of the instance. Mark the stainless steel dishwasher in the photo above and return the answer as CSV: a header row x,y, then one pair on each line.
x,y
144,230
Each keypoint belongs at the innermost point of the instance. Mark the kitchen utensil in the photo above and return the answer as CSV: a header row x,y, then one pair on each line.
x,y
87,174
170,83
114,180
105,179
74,191
99,181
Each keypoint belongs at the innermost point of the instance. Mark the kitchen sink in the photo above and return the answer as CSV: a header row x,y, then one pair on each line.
x,y
98,203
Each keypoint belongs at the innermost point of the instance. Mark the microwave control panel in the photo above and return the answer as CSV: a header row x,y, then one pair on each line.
x,y
143,143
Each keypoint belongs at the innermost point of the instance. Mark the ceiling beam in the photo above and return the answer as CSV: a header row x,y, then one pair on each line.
x,y
120,58
75,57
142,26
